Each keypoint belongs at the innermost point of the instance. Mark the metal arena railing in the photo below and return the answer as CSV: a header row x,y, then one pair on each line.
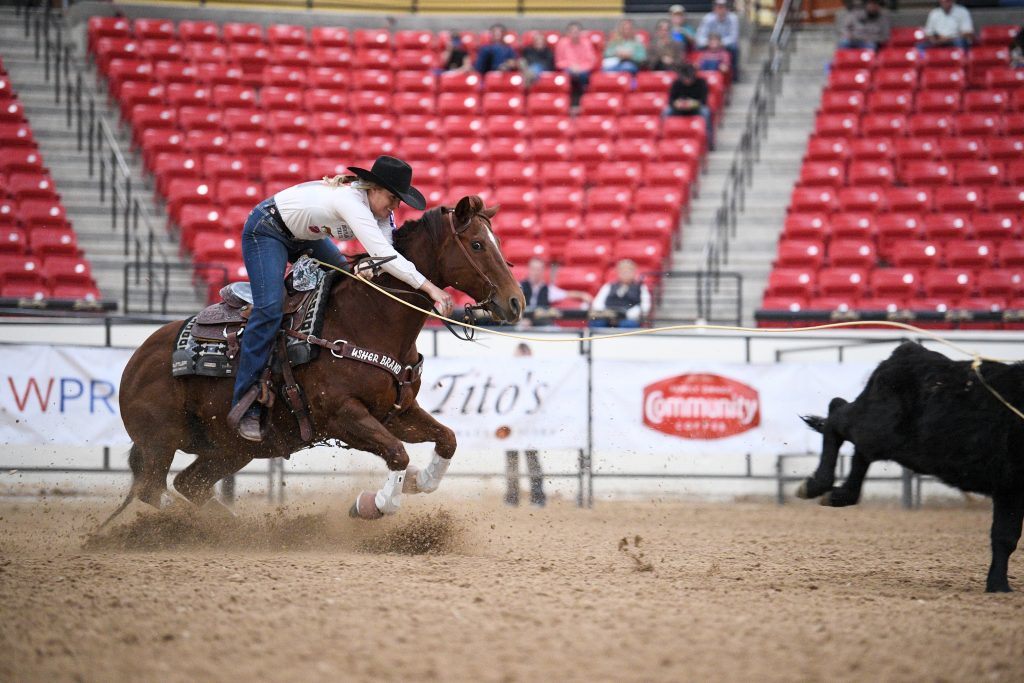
x,y
107,165
740,174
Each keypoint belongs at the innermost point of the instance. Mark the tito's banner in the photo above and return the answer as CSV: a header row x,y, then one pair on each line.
x,y
63,395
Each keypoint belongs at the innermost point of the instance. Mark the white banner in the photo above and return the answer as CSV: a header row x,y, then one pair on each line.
x,y
68,395
64,395
514,403
698,408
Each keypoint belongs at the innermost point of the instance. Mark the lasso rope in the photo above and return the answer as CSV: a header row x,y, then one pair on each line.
x,y
976,361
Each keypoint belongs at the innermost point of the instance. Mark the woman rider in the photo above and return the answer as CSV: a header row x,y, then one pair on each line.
x,y
298,220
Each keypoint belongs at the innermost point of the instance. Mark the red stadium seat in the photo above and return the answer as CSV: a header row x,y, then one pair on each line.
x,y
646,255
519,252
654,81
1011,254
663,199
942,78
879,125
1004,78
998,34
646,104
192,31
68,270
546,150
858,226
556,128
1003,282
871,173
813,200
579,279
589,252
797,282
516,225
842,282
12,240
896,57
927,173
938,101
551,82
973,254
52,241
24,185
837,125
547,104
897,283
949,284
800,254
954,148
909,199
996,227
859,254
233,96
944,57
933,125
286,34
986,101
858,80
1014,123
1010,199
895,78
980,173
610,82
562,173
960,199
914,149
822,174
236,32
915,254
890,102
871,149
42,213
459,82
895,227
330,36
213,248
865,199
27,159
853,59
793,304
806,226
604,104
978,124
943,227
371,38
827,149
678,151
521,198
611,226
678,177
1006,148
608,200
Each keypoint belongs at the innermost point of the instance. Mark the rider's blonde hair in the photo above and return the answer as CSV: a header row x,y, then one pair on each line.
x,y
354,181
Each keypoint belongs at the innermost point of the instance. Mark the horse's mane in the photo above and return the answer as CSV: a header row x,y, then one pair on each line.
x,y
430,221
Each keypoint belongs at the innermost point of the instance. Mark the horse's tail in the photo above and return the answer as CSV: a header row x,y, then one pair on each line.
x,y
815,422
135,464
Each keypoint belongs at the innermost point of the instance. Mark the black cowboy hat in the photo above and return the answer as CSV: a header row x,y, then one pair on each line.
x,y
394,175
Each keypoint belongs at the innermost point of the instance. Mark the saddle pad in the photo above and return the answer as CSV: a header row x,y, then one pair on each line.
x,y
202,350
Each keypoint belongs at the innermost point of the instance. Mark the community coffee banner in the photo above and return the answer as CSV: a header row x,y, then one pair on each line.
x,y
696,408
63,395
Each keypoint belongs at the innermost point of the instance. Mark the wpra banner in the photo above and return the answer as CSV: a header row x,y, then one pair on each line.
x,y
64,395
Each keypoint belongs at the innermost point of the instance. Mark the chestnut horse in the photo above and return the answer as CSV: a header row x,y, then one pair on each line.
x,y
352,402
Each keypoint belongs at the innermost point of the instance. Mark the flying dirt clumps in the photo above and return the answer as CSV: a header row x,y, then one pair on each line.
x,y
183,528
436,532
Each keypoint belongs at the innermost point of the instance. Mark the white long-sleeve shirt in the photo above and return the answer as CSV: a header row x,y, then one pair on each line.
x,y
315,210
633,312
952,25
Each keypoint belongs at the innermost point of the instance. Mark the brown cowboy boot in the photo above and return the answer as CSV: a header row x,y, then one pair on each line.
x,y
249,425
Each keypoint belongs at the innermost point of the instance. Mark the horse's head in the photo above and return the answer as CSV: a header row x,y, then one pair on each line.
x,y
472,262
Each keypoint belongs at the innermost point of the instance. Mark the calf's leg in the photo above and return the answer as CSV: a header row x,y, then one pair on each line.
x,y
849,492
825,476
1007,518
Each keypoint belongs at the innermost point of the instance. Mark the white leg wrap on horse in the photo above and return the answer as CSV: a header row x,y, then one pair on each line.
x,y
389,498
430,478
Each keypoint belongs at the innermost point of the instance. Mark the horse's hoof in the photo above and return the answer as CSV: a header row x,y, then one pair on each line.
x,y
365,507
409,485
801,491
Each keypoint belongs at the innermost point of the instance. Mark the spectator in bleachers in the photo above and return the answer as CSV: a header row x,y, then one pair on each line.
x,y
1017,49
688,96
726,24
865,27
714,57
681,32
664,53
624,51
455,56
577,58
496,55
626,301
541,294
537,58
948,25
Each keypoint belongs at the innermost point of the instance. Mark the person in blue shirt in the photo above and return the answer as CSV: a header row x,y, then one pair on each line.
x,y
681,33
497,55
727,25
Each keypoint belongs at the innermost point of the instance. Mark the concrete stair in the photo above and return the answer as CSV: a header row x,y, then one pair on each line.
x,y
103,245
752,251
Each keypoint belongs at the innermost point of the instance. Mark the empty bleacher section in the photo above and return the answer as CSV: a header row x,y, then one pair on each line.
x,y
226,114
41,264
910,200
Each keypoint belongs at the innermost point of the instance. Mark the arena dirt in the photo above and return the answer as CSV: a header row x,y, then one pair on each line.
x,y
453,590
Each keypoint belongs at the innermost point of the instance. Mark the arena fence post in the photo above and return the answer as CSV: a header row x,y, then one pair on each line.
x,y
780,493
907,481
227,490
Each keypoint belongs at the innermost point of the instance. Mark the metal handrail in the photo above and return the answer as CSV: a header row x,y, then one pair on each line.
x,y
740,175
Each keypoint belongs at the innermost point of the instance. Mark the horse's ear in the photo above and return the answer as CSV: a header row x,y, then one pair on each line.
x,y
466,207
490,212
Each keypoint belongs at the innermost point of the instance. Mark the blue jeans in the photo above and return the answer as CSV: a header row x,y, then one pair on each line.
x,y
267,251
